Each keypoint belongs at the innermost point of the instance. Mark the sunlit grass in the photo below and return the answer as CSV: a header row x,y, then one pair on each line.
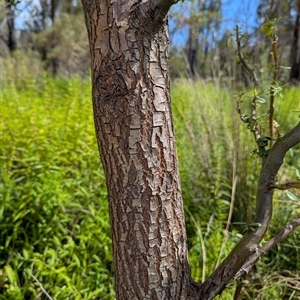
x,y
53,205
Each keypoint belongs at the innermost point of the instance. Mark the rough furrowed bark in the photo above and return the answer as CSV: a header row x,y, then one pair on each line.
x,y
130,80
131,104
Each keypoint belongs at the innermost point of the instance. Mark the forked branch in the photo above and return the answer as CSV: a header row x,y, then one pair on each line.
x,y
267,246
247,251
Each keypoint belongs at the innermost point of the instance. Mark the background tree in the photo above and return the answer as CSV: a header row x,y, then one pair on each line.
x,y
10,19
295,49
59,36
8,32
289,28
202,20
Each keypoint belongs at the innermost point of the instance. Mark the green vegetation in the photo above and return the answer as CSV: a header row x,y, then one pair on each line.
x,y
54,212
218,170
54,226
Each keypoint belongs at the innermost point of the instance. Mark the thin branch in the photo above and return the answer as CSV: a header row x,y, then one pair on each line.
x,y
248,246
284,186
267,246
242,59
272,90
43,290
252,119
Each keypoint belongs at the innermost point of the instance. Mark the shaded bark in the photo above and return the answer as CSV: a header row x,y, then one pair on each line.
x,y
295,52
11,36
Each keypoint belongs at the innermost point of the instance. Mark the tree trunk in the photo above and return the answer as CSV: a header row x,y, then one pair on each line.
x,y
11,37
130,78
295,52
192,50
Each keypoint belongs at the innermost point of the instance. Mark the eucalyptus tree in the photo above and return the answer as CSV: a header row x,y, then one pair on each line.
x,y
129,49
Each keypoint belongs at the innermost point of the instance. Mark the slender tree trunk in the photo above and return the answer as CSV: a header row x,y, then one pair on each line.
x,y
295,52
11,38
192,50
130,79
54,61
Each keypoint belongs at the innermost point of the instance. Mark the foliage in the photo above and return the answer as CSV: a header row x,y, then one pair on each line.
x,y
217,165
53,210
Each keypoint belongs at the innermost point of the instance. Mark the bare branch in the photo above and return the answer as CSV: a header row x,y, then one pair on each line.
x,y
248,245
284,186
272,90
242,59
267,246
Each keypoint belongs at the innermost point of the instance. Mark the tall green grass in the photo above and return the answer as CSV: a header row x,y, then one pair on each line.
x,y
219,171
54,225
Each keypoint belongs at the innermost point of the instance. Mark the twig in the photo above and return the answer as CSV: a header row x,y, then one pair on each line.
x,y
243,61
272,90
267,246
252,119
284,186
43,290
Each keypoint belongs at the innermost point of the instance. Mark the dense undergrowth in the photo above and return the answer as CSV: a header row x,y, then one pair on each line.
x,y
54,225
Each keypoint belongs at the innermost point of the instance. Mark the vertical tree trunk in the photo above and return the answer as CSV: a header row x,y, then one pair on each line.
x,y
192,50
295,51
54,61
131,101
11,37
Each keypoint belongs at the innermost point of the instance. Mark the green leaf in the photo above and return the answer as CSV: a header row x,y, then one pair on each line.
x,y
239,235
266,30
269,28
255,225
239,223
260,100
292,196
11,274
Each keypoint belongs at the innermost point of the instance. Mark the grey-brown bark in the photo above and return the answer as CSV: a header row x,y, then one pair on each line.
x,y
129,51
131,101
